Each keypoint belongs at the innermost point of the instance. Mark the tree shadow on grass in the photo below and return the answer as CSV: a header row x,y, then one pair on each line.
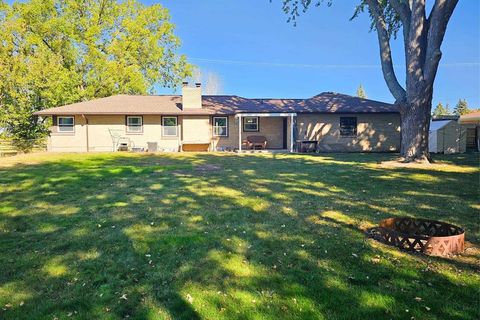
x,y
269,237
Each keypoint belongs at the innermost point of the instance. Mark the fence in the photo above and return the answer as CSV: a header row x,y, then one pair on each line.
x,y
8,148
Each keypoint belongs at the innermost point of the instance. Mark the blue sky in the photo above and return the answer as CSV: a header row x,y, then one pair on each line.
x,y
256,53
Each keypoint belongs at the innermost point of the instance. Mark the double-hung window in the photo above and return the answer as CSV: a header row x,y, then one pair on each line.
x,y
348,126
66,124
250,124
169,126
220,126
134,124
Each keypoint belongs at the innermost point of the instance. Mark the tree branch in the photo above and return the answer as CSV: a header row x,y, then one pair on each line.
x,y
385,52
438,20
416,47
403,9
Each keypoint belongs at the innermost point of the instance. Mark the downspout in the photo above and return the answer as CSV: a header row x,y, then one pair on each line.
x,y
86,131
179,133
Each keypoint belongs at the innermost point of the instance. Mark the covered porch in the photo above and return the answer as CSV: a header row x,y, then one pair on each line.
x,y
253,140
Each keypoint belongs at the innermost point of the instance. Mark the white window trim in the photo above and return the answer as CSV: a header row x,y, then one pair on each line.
x,y
164,126
249,130
141,125
226,127
63,126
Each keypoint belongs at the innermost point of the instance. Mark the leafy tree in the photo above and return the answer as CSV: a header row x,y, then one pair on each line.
x,y
56,52
422,37
441,110
461,108
361,92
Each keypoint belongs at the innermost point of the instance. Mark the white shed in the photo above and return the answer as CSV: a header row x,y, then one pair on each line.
x,y
446,136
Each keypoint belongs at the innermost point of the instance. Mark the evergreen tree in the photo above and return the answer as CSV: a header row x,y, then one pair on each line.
x,y
447,109
461,108
361,92
440,110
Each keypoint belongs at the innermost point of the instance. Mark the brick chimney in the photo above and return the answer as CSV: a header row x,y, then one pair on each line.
x,y
192,96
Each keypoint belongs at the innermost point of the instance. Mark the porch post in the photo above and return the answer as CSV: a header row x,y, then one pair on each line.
x,y
239,133
291,133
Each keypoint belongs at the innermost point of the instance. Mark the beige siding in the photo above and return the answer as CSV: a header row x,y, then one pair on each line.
x,y
101,129
69,141
271,128
375,132
196,129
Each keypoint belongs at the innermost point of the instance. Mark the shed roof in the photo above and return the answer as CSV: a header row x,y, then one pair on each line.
x,y
436,125
327,102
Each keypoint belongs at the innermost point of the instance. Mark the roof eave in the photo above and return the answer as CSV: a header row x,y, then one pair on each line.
x,y
76,113
186,113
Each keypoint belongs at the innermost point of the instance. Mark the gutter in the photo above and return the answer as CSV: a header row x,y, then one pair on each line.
x,y
233,113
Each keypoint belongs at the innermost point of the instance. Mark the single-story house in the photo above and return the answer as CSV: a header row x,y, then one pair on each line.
x,y
192,121
471,122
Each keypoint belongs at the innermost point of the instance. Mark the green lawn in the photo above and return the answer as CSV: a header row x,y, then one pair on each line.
x,y
222,236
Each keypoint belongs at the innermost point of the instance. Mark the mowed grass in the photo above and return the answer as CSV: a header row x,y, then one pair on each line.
x,y
222,236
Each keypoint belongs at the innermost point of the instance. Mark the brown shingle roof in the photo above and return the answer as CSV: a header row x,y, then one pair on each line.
x,y
327,102
120,104
472,117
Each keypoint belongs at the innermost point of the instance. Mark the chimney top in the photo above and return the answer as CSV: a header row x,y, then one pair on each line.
x,y
198,84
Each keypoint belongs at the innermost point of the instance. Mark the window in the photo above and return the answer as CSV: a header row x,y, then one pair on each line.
x,y
169,126
250,124
220,126
66,124
348,126
134,124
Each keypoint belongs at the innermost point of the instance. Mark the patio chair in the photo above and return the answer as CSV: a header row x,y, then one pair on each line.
x,y
119,141
256,142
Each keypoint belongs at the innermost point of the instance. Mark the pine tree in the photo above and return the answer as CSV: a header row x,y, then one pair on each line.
x,y
461,108
447,109
361,92
440,110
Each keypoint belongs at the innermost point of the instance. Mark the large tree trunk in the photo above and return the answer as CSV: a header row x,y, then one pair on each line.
x,y
423,37
415,126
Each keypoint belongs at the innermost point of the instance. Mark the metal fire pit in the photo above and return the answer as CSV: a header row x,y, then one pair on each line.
x,y
420,235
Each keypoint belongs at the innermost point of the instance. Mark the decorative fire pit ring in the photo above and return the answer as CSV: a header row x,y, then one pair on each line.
x,y
425,236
